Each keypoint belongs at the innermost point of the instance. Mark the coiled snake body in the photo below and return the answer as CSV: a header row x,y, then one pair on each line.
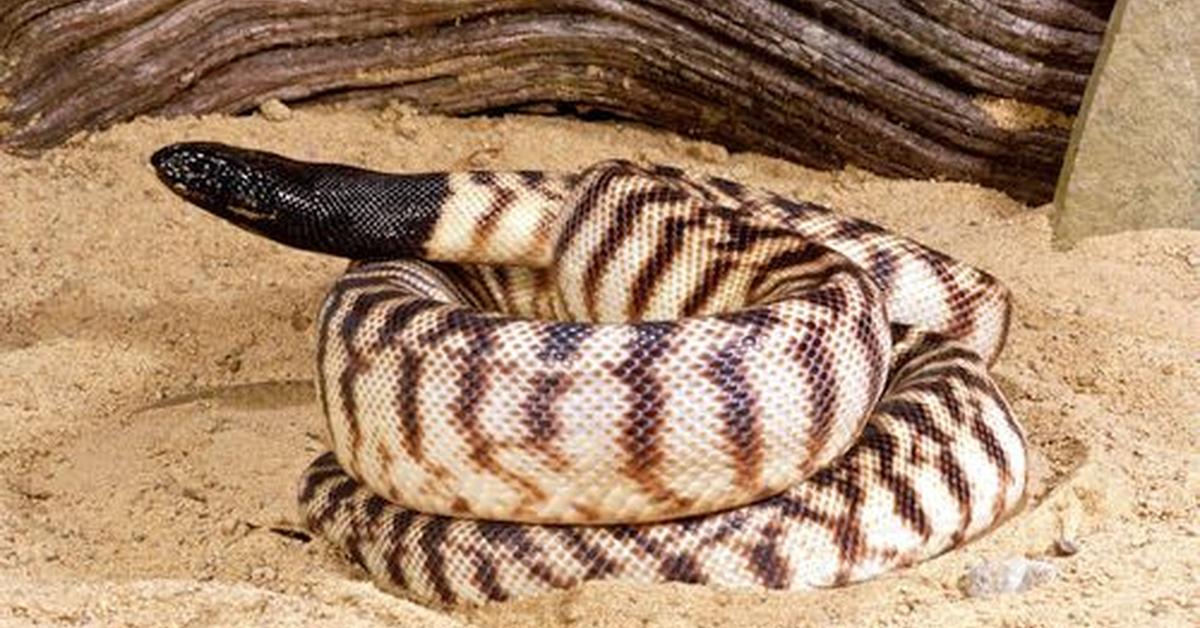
x,y
533,380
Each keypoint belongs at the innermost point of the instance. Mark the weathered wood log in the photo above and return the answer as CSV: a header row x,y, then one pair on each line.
x,y
889,85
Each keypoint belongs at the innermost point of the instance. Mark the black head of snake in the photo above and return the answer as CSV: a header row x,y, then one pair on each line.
x,y
327,208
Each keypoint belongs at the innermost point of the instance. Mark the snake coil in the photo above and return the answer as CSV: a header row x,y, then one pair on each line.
x,y
535,379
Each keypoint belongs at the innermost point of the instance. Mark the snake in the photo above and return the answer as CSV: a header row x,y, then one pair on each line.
x,y
628,372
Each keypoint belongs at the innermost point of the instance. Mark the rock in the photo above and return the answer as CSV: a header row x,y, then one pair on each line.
x,y
232,527
1066,547
1012,575
274,110
711,153
1132,162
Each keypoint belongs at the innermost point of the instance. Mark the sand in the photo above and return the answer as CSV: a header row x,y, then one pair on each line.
x,y
157,405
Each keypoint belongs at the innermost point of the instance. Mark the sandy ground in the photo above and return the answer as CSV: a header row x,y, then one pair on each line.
x,y
157,405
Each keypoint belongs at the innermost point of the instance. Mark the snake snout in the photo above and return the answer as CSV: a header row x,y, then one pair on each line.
x,y
221,179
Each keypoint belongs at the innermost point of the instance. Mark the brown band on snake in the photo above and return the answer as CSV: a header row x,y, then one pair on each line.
x,y
502,200
407,408
792,257
356,362
907,505
643,421
714,275
770,568
618,230
817,362
561,340
742,426
473,383
542,421
656,265
582,214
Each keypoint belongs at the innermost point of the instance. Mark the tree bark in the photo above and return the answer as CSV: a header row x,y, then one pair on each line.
x,y
892,86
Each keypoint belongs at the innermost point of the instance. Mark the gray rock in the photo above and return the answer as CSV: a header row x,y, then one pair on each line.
x,y
1011,575
1132,163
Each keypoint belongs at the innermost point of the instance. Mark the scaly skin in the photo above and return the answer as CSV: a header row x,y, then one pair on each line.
x,y
708,383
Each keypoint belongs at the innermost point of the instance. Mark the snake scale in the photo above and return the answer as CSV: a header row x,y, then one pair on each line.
x,y
535,379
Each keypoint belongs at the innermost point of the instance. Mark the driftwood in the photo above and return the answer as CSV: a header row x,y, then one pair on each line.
x,y
889,85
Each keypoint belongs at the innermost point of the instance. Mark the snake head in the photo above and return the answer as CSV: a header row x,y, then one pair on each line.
x,y
236,184
328,208
260,192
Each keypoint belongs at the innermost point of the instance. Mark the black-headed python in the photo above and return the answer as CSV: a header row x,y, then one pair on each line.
x,y
537,379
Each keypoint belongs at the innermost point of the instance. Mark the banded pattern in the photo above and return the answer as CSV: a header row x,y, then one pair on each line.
x,y
712,383
548,410
940,462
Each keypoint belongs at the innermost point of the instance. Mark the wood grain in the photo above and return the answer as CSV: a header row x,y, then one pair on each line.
x,y
889,85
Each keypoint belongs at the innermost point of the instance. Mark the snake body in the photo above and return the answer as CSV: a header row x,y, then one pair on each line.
x,y
636,373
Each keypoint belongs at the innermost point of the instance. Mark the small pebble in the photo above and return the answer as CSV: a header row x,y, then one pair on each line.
x,y
275,111
712,153
194,494
483,158
1066,547
230,526
1013,575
